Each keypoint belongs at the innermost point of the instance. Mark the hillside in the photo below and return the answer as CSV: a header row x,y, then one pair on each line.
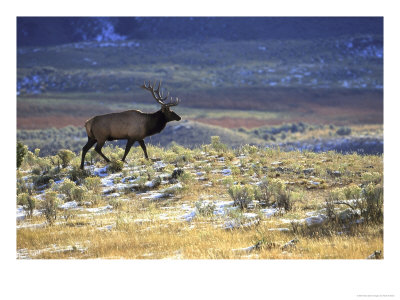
x,y
205,203
42,31
241,85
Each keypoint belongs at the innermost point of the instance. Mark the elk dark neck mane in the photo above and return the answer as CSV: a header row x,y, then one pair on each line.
x,y
156,122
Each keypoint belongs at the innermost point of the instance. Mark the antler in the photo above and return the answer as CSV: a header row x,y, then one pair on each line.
x,y
158,94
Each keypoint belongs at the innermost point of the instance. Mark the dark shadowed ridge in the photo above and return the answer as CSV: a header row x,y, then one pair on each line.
x,y
44,31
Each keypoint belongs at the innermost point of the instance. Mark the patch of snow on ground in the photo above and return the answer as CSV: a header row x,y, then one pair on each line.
x,y
191,212
101,172
315,220
109,180
149,184
154,195
68,205
226,172
279,229
163,217
99,210
269,212
247,249
222,207
250,215
114,195
32,226
21,213
159,165
232,224
172,188
106,228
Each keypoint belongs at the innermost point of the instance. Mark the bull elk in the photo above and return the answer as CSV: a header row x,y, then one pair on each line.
x,y
131,125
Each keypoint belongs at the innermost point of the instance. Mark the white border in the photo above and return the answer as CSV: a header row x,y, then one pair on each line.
x,y
316,279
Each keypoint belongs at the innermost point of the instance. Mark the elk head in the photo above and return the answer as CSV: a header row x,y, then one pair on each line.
x,y
159,97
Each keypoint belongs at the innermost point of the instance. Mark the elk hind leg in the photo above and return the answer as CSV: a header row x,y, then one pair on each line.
x,y
85,149
98,147
141,143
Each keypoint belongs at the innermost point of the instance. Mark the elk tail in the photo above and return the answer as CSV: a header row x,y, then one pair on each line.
x,y
88,126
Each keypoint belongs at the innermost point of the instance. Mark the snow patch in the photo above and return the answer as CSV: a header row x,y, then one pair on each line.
x,y
269,212
100,210
226,172
69,205
154,196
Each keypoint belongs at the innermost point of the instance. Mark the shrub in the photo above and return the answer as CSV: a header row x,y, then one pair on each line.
x,y
205,208
373,177
93,183
66,156
352,192
176,148
368,204
241,195
49,206
156,182
78,175
217,145
28,202
185,177
116,203
40,180
371,204
263,193
176,173
36,171
283,200
343,131
330,209
40,165
251,149
21,152
92,197
22,186
273,192
115,165
78,193
66,188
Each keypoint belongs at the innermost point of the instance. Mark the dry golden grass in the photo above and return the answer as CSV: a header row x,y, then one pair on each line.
x,y
138,228
162,239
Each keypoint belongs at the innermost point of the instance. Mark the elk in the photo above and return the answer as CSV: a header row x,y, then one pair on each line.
x,y
130,125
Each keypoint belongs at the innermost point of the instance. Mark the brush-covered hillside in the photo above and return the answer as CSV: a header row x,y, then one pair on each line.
x,y
209,202
249,86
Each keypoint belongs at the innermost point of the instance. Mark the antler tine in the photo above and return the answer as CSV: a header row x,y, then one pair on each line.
x,y
173,103
146,86
158,89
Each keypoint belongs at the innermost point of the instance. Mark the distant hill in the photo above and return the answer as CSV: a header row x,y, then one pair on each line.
x,y
186,133
45,31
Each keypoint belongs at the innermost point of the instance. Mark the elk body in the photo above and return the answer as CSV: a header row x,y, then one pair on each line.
x,y
130,125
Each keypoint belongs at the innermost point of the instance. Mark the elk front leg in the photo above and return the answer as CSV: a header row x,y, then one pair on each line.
x,y
141,143
98,147
85,149
127,148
